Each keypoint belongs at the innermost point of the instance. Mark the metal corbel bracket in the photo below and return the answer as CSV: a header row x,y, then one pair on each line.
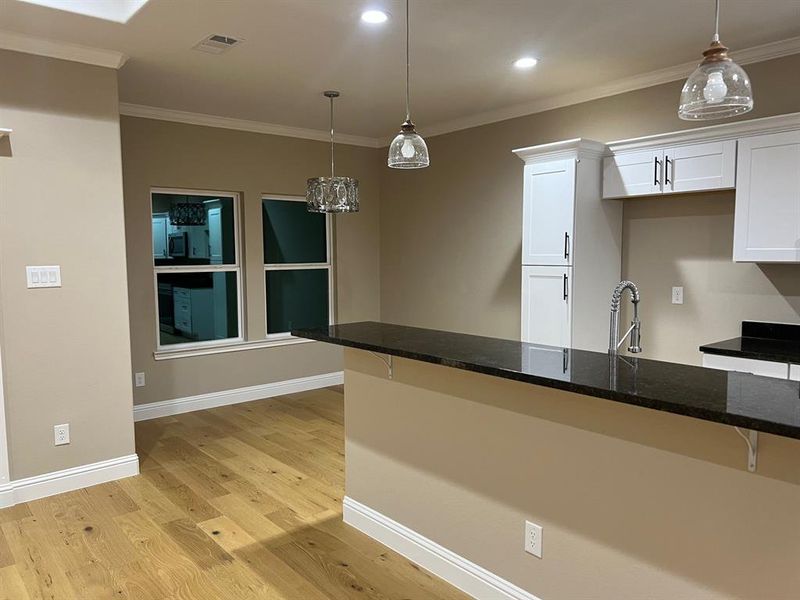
x,y
387,360
751,439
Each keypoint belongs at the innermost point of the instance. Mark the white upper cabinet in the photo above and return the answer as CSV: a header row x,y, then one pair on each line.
x,y
547,305
548,212
670,169
767,218
699,167
633,174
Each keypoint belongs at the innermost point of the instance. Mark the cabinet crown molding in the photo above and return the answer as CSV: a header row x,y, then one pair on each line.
x,y
713,133
575,148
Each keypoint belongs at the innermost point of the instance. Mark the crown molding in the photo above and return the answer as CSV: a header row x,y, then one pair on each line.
x,y
578,147
19,42
712,133
193,118
746,56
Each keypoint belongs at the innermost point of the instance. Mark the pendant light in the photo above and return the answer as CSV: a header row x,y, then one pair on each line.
x,y
408,150
332,194
718,88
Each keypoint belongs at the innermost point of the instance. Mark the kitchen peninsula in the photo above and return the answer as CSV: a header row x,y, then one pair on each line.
x,y
454,441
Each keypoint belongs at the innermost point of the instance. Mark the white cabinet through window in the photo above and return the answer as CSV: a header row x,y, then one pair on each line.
x,y
547,305
548,212
767,218
160,236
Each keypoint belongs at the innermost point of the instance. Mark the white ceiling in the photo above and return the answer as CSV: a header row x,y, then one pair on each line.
x,y
462,52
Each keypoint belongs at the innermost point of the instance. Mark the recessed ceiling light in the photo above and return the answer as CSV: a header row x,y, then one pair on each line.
x,y
374,17
526,62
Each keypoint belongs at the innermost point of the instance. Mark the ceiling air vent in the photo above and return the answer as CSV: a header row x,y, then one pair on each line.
x,y
217,44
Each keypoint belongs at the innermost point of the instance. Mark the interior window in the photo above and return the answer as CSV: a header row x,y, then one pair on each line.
x,y
197,270
297,265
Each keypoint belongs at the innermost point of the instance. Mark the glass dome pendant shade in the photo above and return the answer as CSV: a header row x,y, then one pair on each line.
x,y
718,88
332,194
408,150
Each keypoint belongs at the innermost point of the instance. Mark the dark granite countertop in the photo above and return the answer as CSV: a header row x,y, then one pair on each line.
x,y
776,342
738,399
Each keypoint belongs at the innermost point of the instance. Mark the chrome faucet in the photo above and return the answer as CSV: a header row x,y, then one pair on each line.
x,y
635,331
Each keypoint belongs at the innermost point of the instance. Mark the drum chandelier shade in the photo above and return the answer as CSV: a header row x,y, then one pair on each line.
x,y
332,194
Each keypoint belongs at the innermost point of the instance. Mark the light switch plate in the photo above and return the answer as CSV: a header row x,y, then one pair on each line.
x,y
44,276
677,295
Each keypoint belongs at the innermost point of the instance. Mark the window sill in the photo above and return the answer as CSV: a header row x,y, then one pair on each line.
x,y
222,349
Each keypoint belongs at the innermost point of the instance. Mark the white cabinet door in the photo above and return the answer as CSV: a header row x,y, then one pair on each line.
x,y
548,213
160,237
767,216
198,242
697,167
547,305
215,236
633,174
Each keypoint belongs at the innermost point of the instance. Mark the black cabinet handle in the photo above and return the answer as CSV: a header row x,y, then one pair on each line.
x,y
656,165
566,287
566,244
666,171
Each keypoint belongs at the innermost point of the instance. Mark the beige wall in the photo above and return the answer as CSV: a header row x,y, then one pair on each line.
x,y
634,503
462,271
164,154
66,351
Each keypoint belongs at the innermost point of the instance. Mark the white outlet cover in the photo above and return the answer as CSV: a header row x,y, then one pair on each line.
x,y
61,434
677,295
139,379
533,539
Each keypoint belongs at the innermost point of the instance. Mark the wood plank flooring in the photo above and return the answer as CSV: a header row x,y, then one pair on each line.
x,y
240,502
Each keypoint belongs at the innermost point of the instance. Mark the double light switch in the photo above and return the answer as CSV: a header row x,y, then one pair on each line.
x,y
44,277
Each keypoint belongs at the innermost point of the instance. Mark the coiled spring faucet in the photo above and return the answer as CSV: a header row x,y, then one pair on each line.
x,y
635,331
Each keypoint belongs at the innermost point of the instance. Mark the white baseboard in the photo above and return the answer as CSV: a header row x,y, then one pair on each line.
x,y
456,570
166,408
58,482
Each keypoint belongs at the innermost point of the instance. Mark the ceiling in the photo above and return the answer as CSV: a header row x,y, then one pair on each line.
x,y
462,52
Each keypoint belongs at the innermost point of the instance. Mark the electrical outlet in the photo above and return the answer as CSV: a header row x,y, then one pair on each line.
x,y
139,379
533,539
677,295
61,434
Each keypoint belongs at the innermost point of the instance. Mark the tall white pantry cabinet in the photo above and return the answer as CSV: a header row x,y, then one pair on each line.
x,y
571,246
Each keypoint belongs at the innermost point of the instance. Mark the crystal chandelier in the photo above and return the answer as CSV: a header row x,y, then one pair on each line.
x,y
332,194
187,214
718,88
408,150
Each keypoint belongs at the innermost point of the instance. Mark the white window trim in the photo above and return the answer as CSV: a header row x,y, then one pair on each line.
x,y
163,351
328,264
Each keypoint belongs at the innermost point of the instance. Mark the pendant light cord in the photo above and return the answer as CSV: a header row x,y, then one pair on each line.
x,y
331,98
716,24
408,62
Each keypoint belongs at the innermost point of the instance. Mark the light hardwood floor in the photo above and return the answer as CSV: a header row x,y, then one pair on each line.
x,y
237,502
